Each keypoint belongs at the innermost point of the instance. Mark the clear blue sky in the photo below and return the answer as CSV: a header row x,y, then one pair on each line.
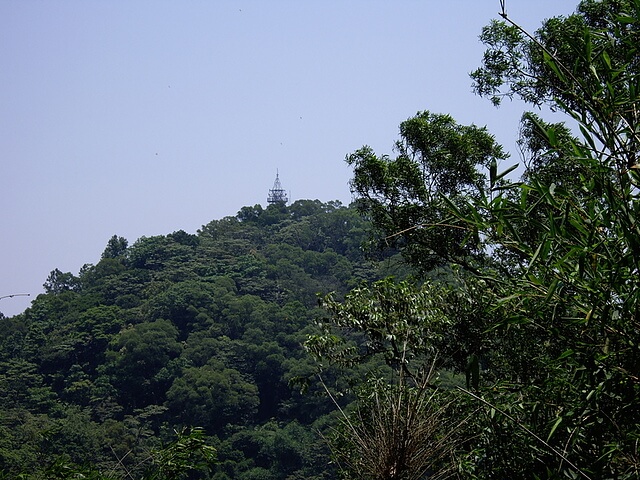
x,y
145,117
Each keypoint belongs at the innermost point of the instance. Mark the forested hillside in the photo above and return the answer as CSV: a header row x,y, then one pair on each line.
x,y
178,330
491,331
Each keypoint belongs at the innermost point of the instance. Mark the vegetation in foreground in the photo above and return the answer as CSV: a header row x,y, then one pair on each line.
x,y
543,309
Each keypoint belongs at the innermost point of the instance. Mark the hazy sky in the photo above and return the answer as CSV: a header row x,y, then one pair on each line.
x,y
146,117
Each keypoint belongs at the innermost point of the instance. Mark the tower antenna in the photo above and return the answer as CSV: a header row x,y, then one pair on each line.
x,y
277,195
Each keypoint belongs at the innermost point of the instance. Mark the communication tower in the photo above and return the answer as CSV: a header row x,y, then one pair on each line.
x,y
277,193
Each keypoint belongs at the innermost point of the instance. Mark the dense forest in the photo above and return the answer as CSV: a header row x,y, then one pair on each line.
x,y
182,330
453,322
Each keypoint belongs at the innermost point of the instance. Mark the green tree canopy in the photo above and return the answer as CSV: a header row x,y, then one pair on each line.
x,y
404,196
558,252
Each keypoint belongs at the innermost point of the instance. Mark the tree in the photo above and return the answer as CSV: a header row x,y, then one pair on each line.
x,y
116,247
187,453
58,282
185,303
436,157
581,278
135,360
398,427
213,396
560,251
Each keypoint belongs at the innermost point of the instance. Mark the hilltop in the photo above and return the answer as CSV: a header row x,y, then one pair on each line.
x,y
177,330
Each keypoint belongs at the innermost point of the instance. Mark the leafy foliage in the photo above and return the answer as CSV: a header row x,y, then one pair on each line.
x,y
176,331
403,196
512,353
557,252
399,426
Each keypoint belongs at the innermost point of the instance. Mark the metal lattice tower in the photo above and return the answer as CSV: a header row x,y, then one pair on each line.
x,y
277,193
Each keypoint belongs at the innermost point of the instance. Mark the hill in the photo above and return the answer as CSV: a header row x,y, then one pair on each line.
x,y
178,330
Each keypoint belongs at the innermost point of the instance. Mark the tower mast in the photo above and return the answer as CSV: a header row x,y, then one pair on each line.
x,y
277,195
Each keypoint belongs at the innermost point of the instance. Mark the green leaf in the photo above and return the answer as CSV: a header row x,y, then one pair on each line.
x,y
536,254
606,58
551,63
552,289
500,176
566,353
553,429
493,169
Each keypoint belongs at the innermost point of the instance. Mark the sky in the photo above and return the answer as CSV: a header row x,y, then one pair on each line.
x,y
144,117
